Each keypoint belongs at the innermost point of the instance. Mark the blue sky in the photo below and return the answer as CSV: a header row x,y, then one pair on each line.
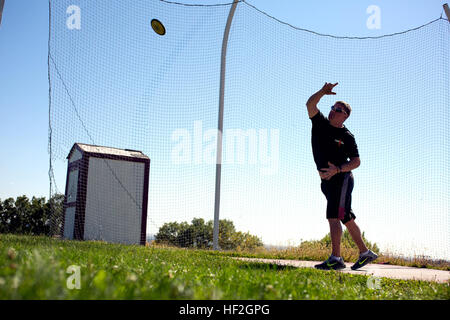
x,y
23,59
24,159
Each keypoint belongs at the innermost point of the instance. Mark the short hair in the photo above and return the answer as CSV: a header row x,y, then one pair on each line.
x,y
346,106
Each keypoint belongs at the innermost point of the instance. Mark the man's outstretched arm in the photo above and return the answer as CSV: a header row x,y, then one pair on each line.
x,y
312,102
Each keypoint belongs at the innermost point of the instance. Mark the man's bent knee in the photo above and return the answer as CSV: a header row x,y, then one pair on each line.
x,y
351,222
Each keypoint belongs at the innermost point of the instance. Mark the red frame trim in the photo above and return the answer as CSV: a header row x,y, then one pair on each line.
x,y
145,203
80,209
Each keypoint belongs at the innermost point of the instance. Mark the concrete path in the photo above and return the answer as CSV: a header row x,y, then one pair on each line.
x,y
373,270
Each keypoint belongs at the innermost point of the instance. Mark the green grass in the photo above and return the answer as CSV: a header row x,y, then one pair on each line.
x,y
35,268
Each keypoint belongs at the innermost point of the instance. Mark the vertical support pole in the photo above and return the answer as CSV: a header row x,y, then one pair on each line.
x,y
2,4
220,125
447,11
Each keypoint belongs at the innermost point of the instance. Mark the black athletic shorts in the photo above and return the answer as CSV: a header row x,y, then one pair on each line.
x,y
338,191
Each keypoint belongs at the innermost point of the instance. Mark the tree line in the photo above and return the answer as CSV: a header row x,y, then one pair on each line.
x,y
199,234
34,216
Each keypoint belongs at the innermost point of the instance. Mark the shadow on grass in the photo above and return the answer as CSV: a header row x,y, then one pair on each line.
x,y
265,266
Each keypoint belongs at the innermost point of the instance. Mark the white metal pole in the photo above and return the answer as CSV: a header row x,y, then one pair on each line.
x,y
447,11
220,125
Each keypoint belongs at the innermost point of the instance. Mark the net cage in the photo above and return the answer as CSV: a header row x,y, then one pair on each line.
x,y
115,82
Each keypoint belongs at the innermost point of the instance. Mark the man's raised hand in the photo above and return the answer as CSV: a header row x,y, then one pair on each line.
x,y
328,88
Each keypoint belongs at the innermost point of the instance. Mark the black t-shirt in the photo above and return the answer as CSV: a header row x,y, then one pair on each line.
x,y
331,144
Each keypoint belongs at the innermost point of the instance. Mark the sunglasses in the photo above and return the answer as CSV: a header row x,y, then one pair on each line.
x,y
338,109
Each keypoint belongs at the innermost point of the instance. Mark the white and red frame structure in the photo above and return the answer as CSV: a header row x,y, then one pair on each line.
x,y
106,194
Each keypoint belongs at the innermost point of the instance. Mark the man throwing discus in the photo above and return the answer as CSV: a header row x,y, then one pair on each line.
x,y
336,155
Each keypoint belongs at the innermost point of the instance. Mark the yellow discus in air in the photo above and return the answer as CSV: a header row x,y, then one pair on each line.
x,y
158,27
